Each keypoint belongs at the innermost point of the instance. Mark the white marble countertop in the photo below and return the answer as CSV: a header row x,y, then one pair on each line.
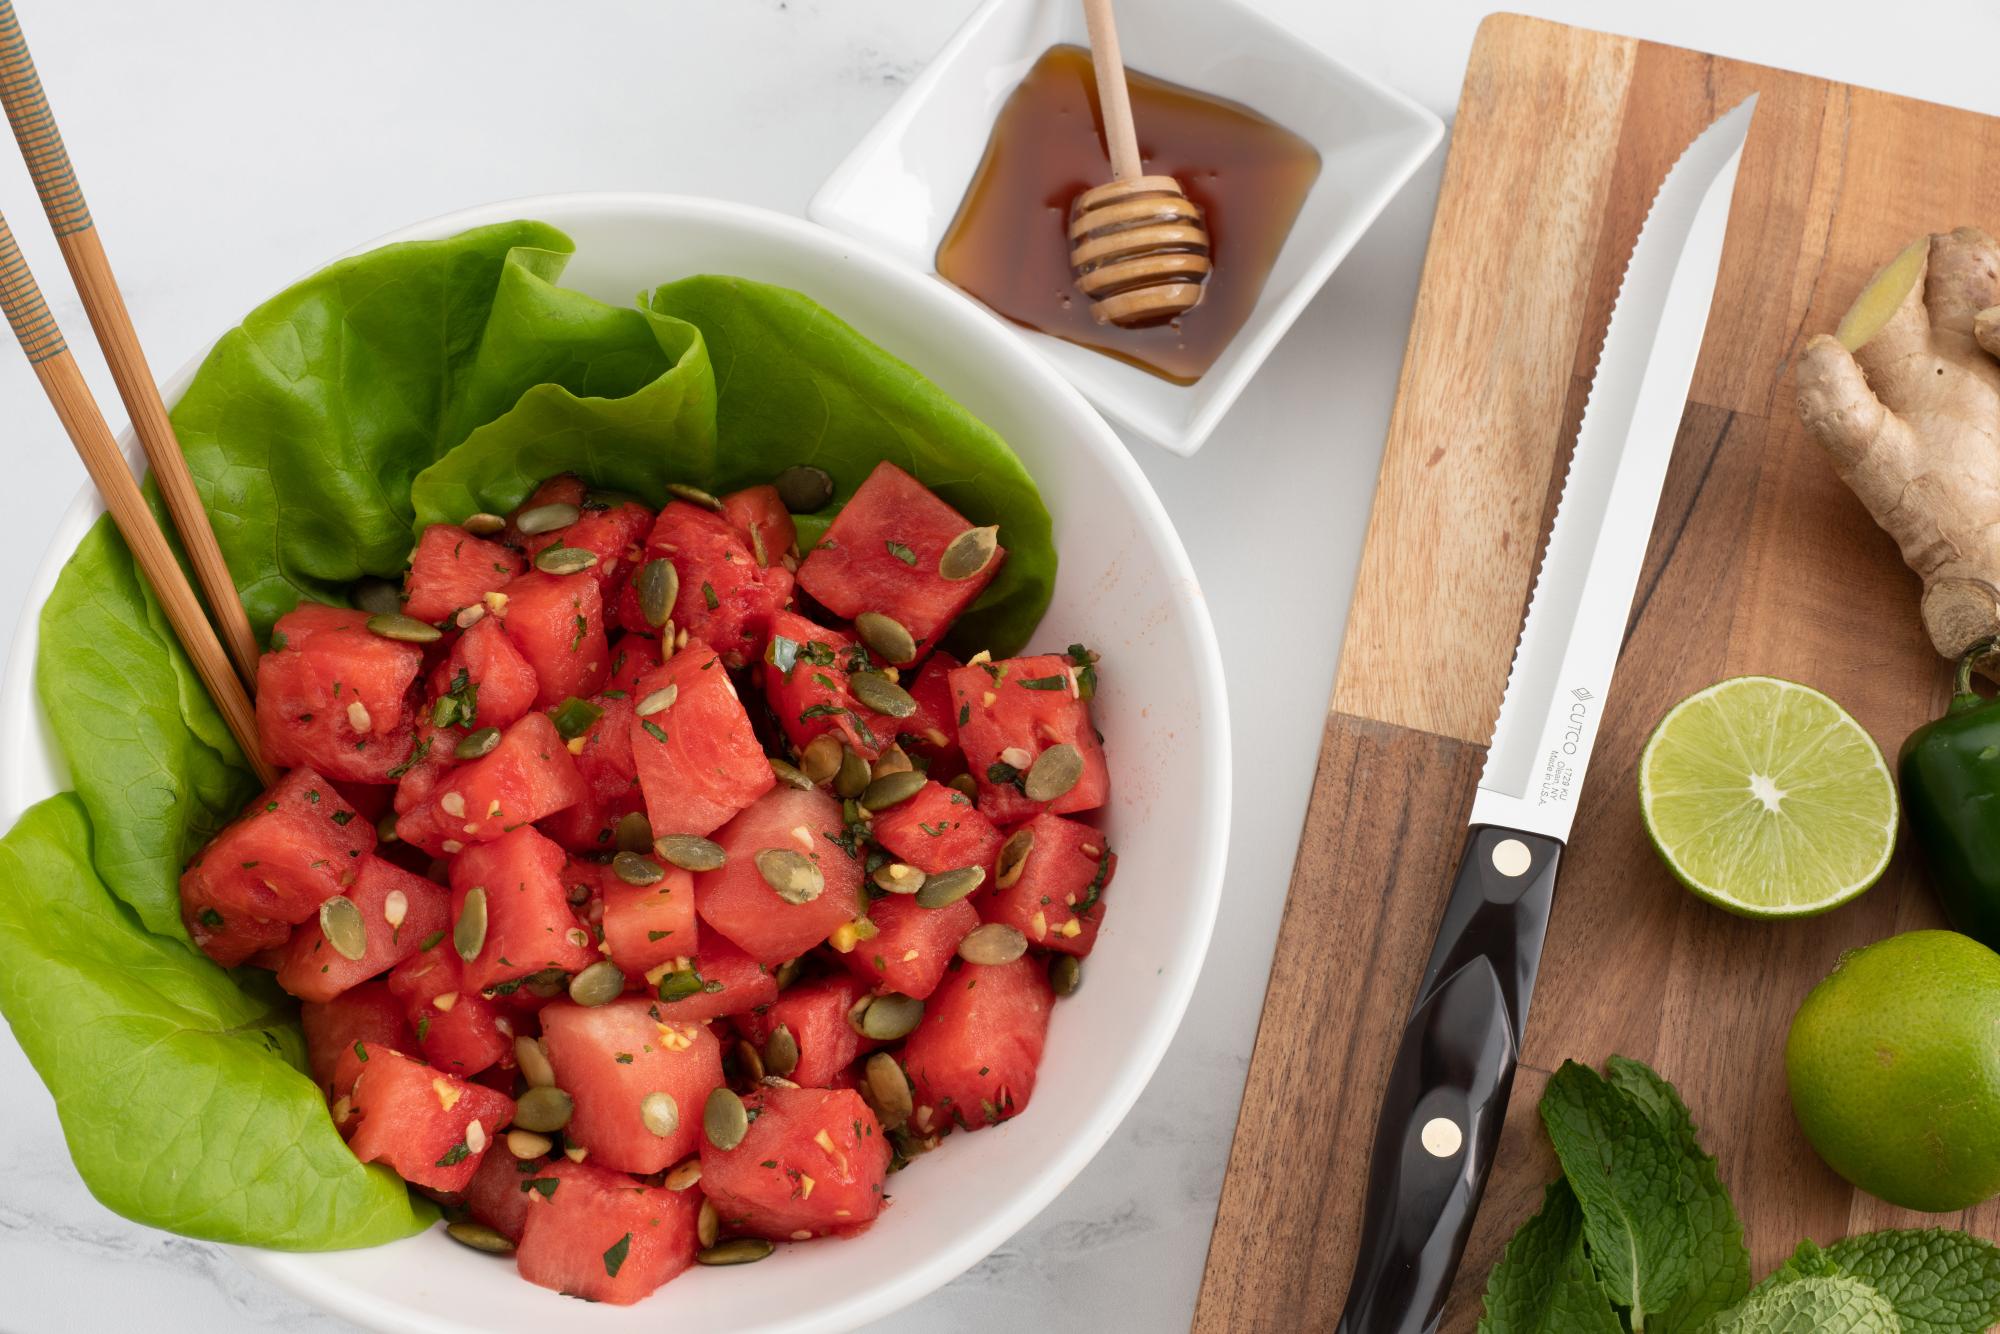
x,y
230,145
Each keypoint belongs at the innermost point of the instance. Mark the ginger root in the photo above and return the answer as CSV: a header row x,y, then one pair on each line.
x,y
1905,398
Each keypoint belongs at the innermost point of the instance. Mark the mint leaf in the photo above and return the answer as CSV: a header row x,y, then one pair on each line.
x,y
1821,1304
1626,1175
1939,1281
1543,1283
1719,1265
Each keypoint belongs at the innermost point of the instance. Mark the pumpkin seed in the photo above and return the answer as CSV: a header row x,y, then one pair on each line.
x,y
886,637
788,773
544,1109
781,1052
549,983
792,874
658,701
385,828
892,790
659,584
685,1173
475,744
468,934
892,761
804,488
534,1062
898,878
694,495
878,694
820,760
724,1119
525,1144
636,870
735,1251
964,783
599,984
547,518
969,553
408,629
1054,772
1013,858
993,943
854,775
948,887
1065,974
890,1017
377,596
788,973
632,833
483,524
661,1113
707,1225
889,1089
564,560
340,921
691,852
750,1061
479,1237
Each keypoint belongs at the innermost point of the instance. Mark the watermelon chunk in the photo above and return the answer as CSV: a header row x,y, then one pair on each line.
x,y
529,925
913,945
367,1013
726,599
648,925
698,760
504,1189
397,911
1009,713
937,830
720,980
737,902
604,1237
610,1058
1058,902
811,1165
334,697
557,622
816,1014
805,672
759,513
529,775
972,1061
421,1121
451,569
610,531
457,1029
486,669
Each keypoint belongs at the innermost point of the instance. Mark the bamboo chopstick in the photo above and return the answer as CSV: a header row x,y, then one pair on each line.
x,y
62,380
55,180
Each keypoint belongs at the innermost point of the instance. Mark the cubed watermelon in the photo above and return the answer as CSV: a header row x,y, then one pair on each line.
x,y
431,1127
698,759
760,514
335,697
612,531
811,1165
647,925
1008,714
529,925
720,980
294,847
881,554
529,775
805,673
912,945
485,670
396,911
557,622
726,599
604,1237
938,829
504,1189
457,1029
610,1059
368,1013
1058,901
451,569
816,1013
972,1061
931,733
738,902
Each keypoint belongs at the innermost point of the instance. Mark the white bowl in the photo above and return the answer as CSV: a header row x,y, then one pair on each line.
x,y
901,186
1125,588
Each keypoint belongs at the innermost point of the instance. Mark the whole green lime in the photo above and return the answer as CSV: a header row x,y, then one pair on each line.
x,y
1894,1066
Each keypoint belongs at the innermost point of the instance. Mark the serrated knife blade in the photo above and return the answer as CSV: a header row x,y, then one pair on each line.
x,y
1447,1090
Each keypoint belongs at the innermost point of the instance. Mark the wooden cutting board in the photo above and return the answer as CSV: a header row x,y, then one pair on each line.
x,y
1760,562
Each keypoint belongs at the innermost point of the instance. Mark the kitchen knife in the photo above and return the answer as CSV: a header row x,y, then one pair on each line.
x,y
1447,1090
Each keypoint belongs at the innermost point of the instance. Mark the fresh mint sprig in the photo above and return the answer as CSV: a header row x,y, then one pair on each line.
x,y
1639,1233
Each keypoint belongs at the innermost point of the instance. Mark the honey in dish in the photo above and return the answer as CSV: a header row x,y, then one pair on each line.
x,y
1009,245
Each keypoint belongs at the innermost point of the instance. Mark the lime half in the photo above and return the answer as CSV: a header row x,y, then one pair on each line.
x,y
1766,798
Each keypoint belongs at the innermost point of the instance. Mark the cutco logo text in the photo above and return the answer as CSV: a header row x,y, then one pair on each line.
x,y
1558,774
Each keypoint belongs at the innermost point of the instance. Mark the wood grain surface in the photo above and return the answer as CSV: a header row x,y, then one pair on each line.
x,y
1760,561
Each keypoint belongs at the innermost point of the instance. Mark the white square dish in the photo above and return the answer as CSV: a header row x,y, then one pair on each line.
x,y
901,186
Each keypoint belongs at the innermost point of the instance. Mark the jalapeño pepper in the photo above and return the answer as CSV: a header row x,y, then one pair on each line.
x,y
1949,772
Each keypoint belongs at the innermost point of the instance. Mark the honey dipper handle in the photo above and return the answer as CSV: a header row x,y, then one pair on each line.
x,y
1119,137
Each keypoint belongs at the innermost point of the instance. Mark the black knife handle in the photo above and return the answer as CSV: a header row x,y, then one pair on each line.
x,y
1447,1090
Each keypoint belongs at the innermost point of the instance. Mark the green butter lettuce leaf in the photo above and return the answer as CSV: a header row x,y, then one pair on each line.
x,y
1626,1175
626,400
798,385
151,759
1719,1264
307,422
1824,1304
1939,1281
1543,1283
178,1084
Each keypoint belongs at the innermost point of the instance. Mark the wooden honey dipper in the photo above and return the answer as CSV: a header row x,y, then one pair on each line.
x,y
1138,244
